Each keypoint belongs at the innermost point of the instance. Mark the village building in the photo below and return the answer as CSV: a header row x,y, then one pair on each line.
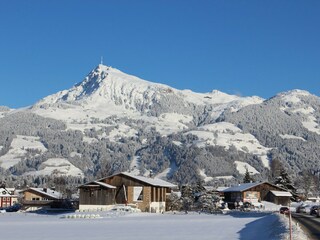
x,y
40,197
147,194
254,193
7,197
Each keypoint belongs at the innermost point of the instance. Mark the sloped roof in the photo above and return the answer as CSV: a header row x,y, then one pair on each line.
x,y
4,193
157,182
281,193
95,183
245,186
241,187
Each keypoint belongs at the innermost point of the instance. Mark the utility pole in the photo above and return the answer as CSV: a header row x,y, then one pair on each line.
x,y
290,221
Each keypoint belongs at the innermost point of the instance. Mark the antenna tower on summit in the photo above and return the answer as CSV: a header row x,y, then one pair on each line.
x,y
101,60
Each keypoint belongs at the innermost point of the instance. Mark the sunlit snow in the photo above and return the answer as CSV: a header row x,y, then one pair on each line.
x,y
57,166
242,168
19,148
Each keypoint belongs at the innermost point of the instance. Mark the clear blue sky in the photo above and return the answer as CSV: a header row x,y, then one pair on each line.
x,y
235,46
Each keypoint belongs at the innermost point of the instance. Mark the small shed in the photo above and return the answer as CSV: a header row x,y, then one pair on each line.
x,y
280,197
96,194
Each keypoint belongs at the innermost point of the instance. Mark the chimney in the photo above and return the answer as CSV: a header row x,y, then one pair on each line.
x,y
45,189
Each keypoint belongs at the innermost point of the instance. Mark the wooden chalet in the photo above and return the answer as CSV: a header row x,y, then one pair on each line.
x,y
38,197
255,193
147,194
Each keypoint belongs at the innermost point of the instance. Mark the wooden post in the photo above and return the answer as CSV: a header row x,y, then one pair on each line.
x,y
290,222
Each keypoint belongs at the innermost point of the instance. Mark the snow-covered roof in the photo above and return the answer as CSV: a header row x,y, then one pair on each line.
x,y
94,183
241,187
151,181
47,192
4,193
221,189
281,193
104,184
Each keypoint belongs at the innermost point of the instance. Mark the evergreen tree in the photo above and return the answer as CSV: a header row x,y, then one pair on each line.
x,y
247,177
284,181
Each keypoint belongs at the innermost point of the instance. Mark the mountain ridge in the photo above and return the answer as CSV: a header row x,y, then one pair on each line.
x,y
112,121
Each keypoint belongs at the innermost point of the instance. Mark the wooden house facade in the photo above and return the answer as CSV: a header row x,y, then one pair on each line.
x,y
147,194
255,193
95,194
37,197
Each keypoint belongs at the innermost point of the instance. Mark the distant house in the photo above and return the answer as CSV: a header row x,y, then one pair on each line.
x,y
255,193
7,197
147,194
37,197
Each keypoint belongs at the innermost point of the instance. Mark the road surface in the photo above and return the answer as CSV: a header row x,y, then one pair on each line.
x,y
310,224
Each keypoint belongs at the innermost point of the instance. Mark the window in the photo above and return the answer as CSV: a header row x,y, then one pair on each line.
x,y
137,193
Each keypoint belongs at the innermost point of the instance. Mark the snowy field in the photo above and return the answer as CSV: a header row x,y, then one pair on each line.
x,y
143,226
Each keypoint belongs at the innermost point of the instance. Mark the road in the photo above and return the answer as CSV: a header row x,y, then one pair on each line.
x,y
309,223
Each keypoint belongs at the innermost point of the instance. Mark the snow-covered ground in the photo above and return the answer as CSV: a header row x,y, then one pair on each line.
x,y
236,225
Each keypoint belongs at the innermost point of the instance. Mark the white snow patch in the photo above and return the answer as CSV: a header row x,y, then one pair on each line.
x,y
168,172
287,136
311,125
177,143
242,166
306,110
226,135
57,166
224,177
120,131
204,176
172,122
90,140
74,154
19,148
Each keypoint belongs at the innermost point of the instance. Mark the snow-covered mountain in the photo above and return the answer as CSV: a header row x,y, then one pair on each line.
x,y
107,92
112,121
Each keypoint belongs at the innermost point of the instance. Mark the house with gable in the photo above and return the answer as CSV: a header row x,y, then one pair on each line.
x,y
40,197
256,192
147,194
7,197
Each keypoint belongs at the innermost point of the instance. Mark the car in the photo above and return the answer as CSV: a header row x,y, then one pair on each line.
x,y
14,208
284,210
314,210
302,208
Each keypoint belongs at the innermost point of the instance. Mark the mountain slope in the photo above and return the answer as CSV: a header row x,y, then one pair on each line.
x,y
112,121
107,92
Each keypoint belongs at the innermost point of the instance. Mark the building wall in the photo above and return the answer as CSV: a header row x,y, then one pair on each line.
x,y
6,201
151,194
96,196
284,201
31,196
